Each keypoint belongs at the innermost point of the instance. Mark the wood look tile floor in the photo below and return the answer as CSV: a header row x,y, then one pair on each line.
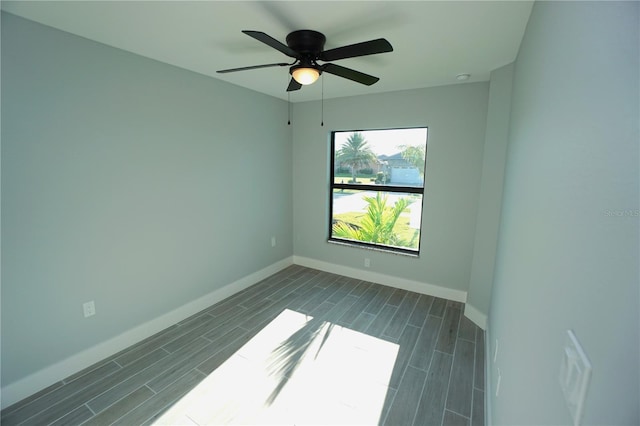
x,y
300,347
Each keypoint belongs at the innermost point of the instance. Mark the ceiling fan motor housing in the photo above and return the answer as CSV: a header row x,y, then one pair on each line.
x,y
307,42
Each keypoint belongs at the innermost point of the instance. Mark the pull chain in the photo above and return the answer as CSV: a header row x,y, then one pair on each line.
x,y
322,105
289,108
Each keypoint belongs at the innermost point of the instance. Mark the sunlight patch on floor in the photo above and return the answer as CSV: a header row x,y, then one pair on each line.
x,y
297,370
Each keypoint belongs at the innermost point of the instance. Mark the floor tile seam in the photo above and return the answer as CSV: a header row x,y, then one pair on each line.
x,y
466,340
99,364
87,405
302,281
109,359
361,292
293,289
231,300
326,299
446,397
178,364
6,413
275,301
252,302
66,413
453,360
171,383
471,408
57,402
424,385
229,322
459,414
180,336
130,410
19,405
407,365
200,371
135,347
426,370
360,310
23,421
437,337
473,370
427,310
193,317
406,323
201,350
140,404
444,408
207,330
125,380
424,320
393,400
171,402
251,318
415,341
373,299
220,350
414,348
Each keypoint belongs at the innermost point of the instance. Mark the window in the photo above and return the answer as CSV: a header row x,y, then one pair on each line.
x,y
377,188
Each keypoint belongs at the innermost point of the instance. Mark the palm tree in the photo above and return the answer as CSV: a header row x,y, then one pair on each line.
x,y
414,155
356,154
377,225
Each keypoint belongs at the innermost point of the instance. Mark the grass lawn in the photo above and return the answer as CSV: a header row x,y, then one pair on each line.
x,y
402,228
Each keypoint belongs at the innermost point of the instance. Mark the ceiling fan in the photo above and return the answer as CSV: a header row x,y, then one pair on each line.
x,y
306,47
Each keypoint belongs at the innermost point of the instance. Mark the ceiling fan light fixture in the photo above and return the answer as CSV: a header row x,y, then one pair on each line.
x,y
305,75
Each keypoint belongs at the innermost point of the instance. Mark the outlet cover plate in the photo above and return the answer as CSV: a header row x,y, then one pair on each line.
x,y
89,309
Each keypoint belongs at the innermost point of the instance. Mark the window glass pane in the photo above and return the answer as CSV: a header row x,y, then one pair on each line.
x,y
375,217
385,157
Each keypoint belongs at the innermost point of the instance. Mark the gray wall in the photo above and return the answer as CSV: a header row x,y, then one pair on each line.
x,y
129,182
491,184
568,245
456,116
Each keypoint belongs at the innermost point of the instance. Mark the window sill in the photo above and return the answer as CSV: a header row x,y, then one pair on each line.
x,y
373,248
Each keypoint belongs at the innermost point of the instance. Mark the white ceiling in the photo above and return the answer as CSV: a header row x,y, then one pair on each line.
x,y
433,41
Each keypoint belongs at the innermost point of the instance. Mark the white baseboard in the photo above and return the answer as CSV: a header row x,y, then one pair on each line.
x,y
476,316
488,395
375,277
41,379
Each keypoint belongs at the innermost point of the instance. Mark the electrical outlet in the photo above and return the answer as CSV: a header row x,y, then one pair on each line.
x,y
89,309
273,241
367,262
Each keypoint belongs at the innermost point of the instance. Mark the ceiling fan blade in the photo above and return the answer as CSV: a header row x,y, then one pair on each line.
x,y
253,67
272,42
365,48
350,74
293,85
